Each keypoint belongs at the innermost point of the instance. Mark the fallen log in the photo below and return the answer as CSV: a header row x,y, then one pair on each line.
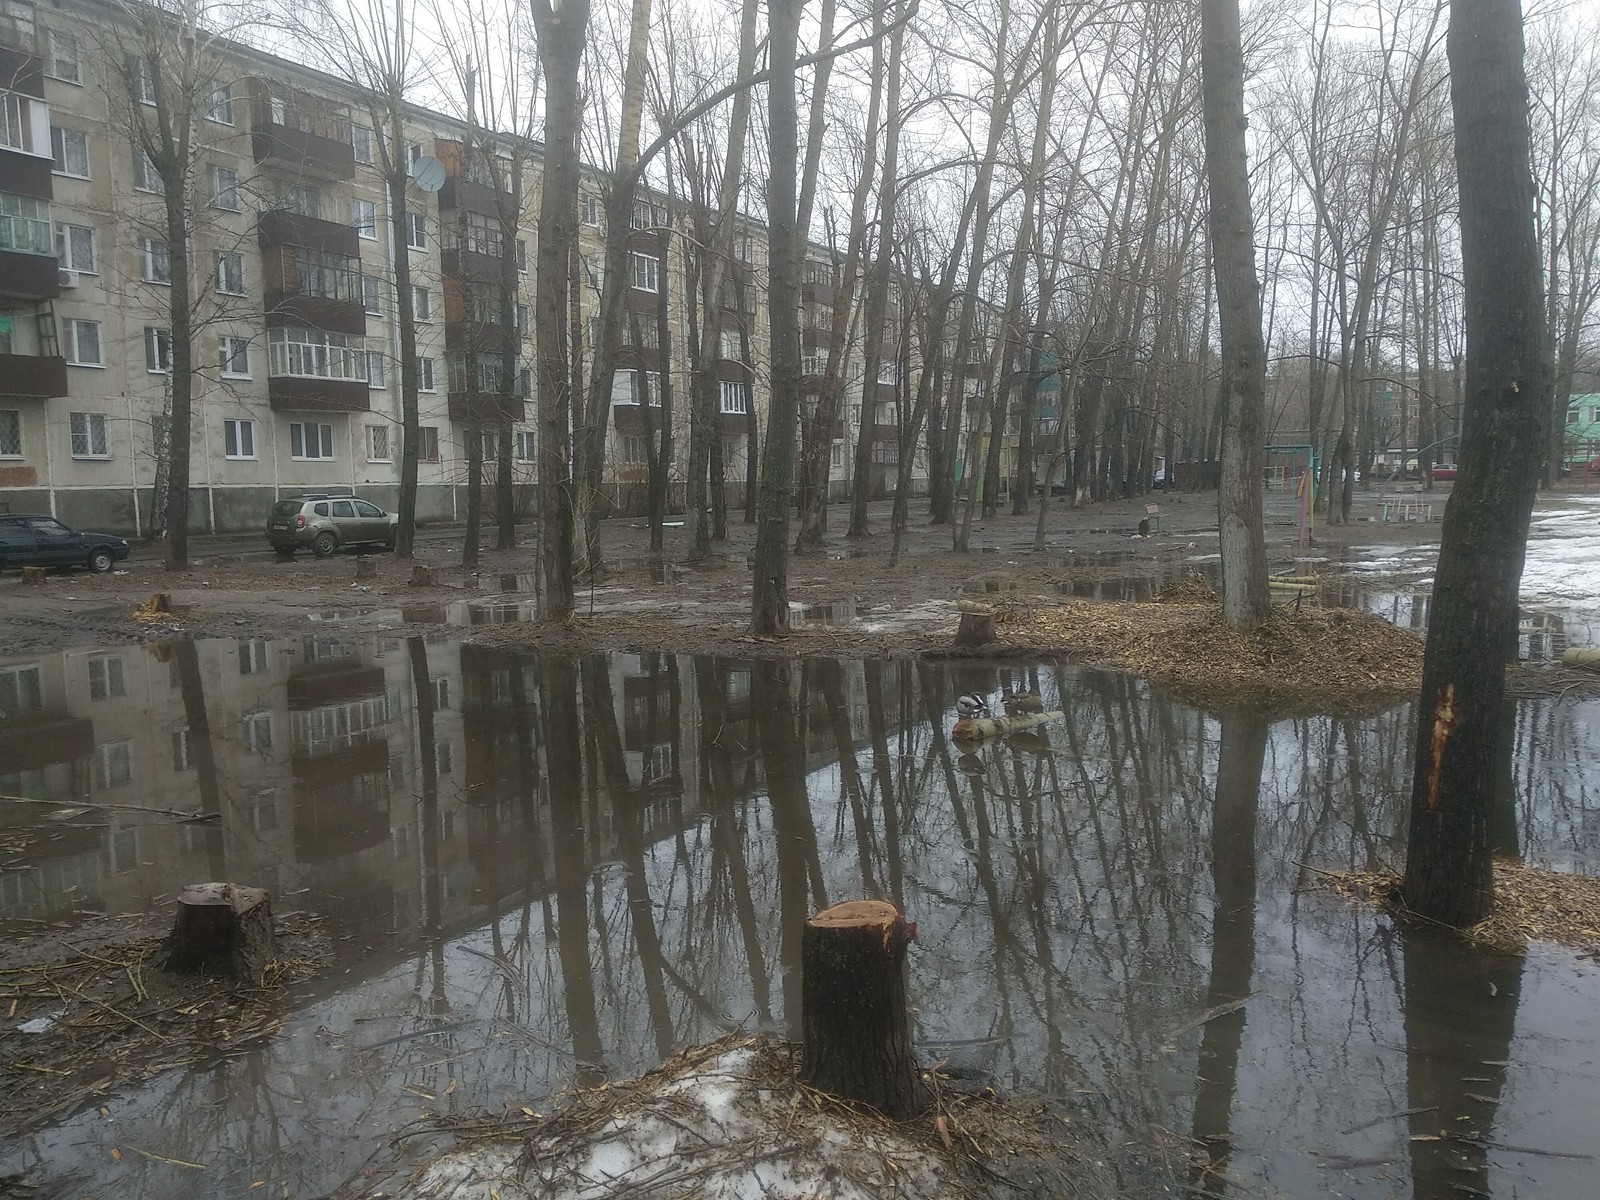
x,y
1587,657
221,929
855,1023
973,729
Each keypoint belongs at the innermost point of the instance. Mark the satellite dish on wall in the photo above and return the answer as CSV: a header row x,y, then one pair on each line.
x,y
427,173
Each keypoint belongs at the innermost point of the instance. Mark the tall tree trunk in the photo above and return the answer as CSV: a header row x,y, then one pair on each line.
x,y
1472,629
1245,600
769,599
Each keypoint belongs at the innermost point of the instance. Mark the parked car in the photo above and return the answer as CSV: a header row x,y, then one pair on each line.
x,y
322,523
1444,472
36,540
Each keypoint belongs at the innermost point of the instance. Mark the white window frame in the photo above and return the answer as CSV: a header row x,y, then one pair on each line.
x,y
364,216
361,143
241,431
11,423
644,271
297,353
733,397
225,286
157,350
145,176
54,60
144,81
322,436
425,373
377,369
593,212
219,112
225,198
75,327
256,729
417,231
421,304
371,295
526,445
232,350
377,453
66,248
58,152
428,435
115,760
155,261
108,676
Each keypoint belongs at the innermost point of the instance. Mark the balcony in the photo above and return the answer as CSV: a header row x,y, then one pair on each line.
x,y
32,375
297,394
279,227
314,288
29,277
488,408
21,67
480,337
296,135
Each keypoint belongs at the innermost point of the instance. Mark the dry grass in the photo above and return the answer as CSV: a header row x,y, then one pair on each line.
x,y
1531,904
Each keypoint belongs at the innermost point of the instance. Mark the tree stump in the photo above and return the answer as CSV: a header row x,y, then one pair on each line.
x,y
33,576
366,568
421,576
221,929
158,604
854,1021
977,626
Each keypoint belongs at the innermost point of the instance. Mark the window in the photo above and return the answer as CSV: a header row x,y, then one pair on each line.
x,y
441,694
522,255
1572,415
144,80
225,188
361,143
70,149
819,274
255,657
21,690
108,677
155,263
648,215
424,374
444,758
157,349
814,364
526,445
735,396
233,356
83,343
372,294
591,211
416,231
484,235
16,121
230,274
309,441
744,249
257,730
490,445
238,438
88,436
181,759
421,304
116,770
61,60
378,443
836,456
364,216
10,442
75,247
646,272
24,224
594,271
523,315
732,345
313,354
413,152
624,387
219,105
633,451
145,176
302,200
375,369
428,444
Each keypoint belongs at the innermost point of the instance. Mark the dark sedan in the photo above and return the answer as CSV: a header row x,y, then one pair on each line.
x,y
35,540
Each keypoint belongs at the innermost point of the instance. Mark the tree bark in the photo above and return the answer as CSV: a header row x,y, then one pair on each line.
x,y
855,1020
1245,598
221,929
1472,630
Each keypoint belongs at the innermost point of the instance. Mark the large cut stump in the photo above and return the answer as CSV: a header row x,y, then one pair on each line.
x,y
366,568
853,1015
977,626
33,575
221,929
422,576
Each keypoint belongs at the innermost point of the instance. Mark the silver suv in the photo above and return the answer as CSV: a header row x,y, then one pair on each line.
x,y
323,523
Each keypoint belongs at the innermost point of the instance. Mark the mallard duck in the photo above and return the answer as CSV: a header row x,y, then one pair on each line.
x,y
1021,702
972,705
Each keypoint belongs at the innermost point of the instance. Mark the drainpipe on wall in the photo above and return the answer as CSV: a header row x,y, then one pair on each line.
x,y
133,466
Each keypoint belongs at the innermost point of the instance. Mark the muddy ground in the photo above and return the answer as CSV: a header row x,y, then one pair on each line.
x,y
849,599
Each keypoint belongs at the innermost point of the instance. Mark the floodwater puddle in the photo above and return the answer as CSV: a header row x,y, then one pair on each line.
x,y
534,867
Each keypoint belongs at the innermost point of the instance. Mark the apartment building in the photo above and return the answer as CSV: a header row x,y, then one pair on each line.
x,y
296,344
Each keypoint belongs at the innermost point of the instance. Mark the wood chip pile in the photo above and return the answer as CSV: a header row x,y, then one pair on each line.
x,y
1309,652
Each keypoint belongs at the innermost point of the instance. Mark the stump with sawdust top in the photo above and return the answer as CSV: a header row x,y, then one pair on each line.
x,y
221,929
854,1018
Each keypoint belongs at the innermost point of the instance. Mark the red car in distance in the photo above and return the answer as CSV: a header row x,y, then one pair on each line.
x,y
1444,472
